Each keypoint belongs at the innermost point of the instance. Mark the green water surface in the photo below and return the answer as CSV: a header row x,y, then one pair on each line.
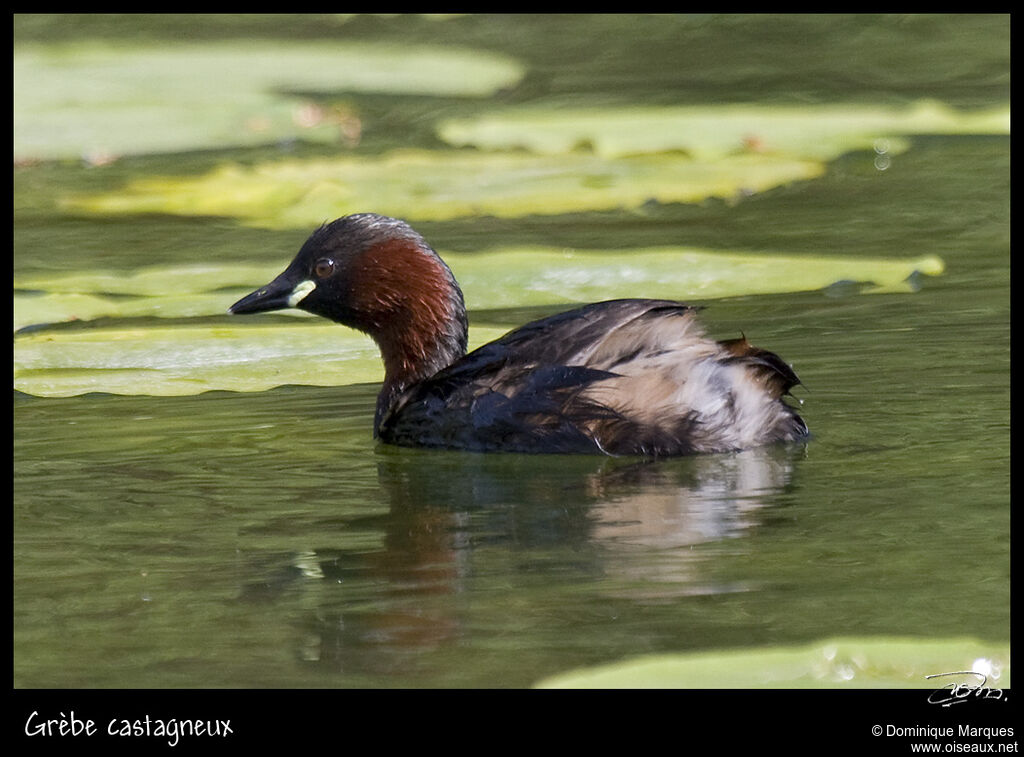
x,y
265,540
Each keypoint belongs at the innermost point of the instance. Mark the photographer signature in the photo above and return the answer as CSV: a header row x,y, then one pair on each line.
x,y
958,693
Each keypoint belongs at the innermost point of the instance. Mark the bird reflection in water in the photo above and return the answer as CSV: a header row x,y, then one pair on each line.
x,y
466,531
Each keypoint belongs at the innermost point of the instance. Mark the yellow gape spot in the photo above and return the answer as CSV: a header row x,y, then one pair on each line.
x,y
300,291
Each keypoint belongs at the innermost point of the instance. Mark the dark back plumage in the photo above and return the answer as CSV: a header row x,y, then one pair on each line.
x,y
620,377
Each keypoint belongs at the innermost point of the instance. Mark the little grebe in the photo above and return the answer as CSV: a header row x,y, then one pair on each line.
x,y
623,377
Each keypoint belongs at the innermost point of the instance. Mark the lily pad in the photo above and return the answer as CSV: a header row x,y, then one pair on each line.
x,y
708,133
104,355
860,663
506,277
86,98
441,185
542,276
167,361
157,291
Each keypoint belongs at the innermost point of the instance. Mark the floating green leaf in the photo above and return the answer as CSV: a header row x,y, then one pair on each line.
x,y
838,663
507,277
81,98
709,133
253,356
151,281
162,292
541,276
259,353
442,185
183,360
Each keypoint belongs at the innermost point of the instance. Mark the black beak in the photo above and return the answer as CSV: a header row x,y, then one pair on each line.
x,y
273,296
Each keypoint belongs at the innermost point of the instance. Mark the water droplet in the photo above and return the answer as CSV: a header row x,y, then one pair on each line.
x,y
983,666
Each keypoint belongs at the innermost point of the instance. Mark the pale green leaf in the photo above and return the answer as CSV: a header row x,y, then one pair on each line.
x,y
253,354
247,357
441,185
91,98
541,276
860,663
149,281
507,277
713,132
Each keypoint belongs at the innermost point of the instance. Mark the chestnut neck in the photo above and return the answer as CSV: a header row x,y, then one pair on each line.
x,y
407,299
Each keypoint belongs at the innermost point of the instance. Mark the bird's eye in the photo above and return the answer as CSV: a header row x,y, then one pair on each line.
x,y
323,268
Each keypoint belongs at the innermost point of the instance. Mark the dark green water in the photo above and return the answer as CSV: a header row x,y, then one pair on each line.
x,y
264,540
